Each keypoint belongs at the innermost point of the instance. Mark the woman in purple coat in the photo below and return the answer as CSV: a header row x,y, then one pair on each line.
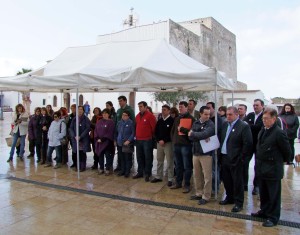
x,y
84,137
104,142
32,134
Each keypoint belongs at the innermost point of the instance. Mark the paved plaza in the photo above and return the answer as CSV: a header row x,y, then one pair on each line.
x,y
38,200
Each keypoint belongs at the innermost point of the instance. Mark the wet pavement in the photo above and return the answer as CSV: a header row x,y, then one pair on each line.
x,y
38,200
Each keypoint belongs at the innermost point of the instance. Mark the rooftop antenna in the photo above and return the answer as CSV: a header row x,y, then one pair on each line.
x,y
132,20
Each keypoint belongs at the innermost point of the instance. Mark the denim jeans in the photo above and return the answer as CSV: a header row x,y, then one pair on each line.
x,y
144,152
58,153
183,158
14,143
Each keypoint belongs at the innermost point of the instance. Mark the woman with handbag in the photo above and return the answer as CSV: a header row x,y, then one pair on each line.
x,y
124,138
104,142
20,122
56,133
97,116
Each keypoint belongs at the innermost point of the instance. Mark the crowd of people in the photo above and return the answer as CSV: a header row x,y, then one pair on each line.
x,y
180,136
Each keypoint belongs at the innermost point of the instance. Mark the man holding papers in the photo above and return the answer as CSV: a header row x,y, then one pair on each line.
x,y
202,129
182,147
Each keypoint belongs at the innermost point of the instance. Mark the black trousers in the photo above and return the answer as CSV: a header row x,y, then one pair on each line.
x,y
246,170
270,198
31,147
232,177
292,142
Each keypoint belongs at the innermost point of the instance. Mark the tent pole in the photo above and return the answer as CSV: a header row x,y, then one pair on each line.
x,y
216,152
77,135
232,97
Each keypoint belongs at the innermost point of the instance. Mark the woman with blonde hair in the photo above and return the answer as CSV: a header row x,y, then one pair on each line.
x,y
20,129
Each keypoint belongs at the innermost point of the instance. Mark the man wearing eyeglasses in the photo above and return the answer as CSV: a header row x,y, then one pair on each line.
x,y
254,119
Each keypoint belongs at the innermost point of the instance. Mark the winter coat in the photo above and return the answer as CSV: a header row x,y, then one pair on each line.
x,y
23,126
40,123
292,123
125,131
181,139
56,132
145,126
201,131
272,150
32,125
105,132
84,130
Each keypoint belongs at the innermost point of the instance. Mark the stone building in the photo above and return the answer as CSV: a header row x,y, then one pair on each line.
x,y
203,39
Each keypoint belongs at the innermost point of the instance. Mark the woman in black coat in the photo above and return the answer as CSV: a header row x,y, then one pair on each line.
x,y
42,126
84,137
291,122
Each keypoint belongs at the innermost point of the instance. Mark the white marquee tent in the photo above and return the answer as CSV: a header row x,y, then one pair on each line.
x,y
151,65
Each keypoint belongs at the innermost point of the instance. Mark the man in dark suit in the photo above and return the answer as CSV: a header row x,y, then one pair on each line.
x,y
254,119
236,144
272,151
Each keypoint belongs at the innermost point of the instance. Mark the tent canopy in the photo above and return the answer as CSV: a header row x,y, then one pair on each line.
x,y
152,65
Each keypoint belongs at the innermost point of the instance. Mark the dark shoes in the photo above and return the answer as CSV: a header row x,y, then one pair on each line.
x,y
202,202
137,176
37,161
155,180
195,197
93,167
186,189
170,183
175,186
255,191
225,202
258,214
73,165
9,160
147,179
120,174
269,223
246,188
236,209
30,155
117,169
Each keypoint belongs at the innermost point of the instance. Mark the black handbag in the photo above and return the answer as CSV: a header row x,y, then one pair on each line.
x,y
128,148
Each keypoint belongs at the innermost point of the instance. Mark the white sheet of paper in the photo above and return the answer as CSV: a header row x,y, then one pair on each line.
x,y
211,145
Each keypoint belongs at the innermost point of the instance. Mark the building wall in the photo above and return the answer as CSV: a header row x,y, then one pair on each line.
x,y
215,45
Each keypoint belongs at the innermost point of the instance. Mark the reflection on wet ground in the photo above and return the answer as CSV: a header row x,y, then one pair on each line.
x,y
32,208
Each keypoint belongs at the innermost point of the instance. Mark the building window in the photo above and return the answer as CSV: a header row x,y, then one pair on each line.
x,y
230,51
55,101
44,101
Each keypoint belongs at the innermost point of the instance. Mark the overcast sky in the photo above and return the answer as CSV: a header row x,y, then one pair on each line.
x,y
267,33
